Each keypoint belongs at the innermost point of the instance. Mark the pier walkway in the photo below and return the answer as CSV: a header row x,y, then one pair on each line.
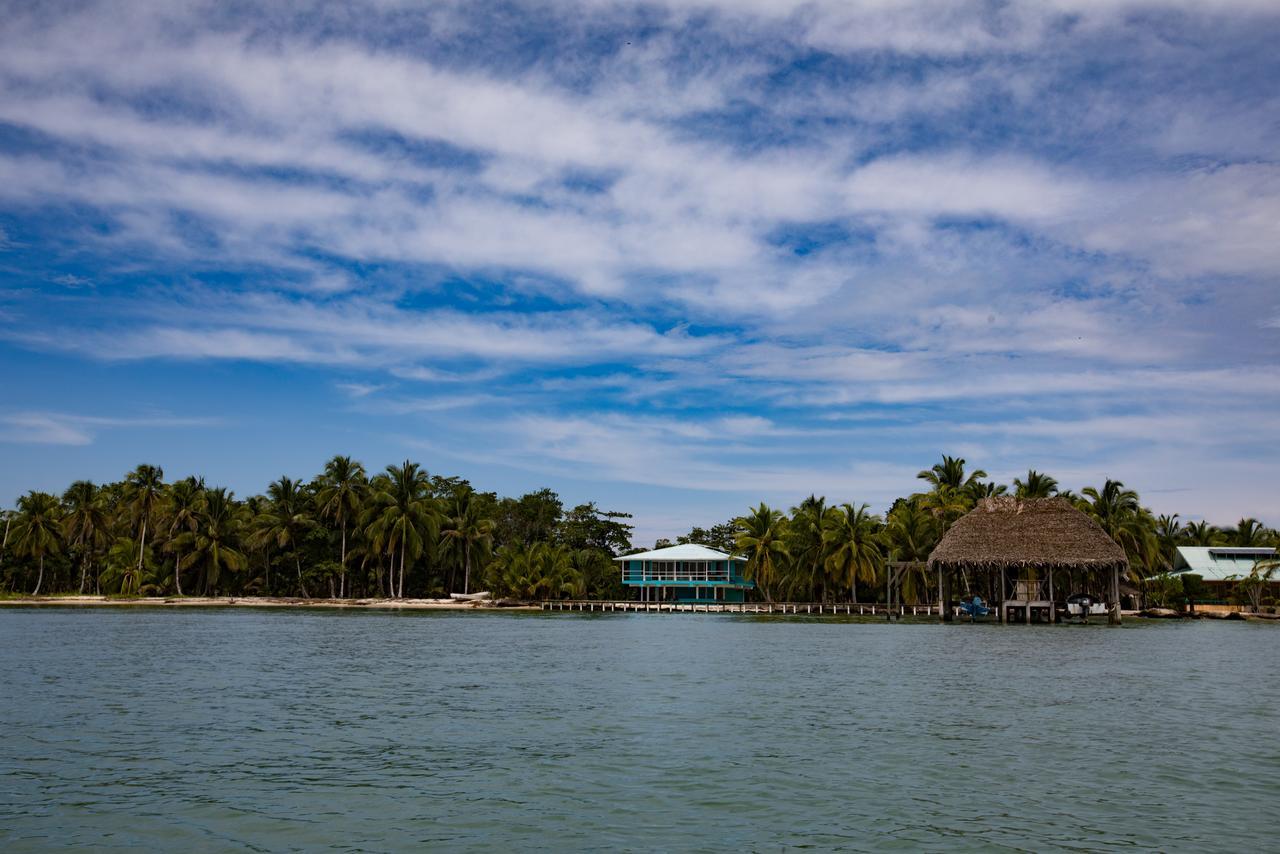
x,y
817,608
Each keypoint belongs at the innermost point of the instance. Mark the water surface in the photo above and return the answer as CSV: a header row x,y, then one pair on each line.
x,y
256,730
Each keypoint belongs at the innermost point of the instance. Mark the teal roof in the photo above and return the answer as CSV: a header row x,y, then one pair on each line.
x,y
1217,563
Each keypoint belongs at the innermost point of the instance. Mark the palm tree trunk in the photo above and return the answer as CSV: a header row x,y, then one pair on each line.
x,y
142,544
342,575
466,576
400,592
297,562
854,587
177,573
84,571
39,578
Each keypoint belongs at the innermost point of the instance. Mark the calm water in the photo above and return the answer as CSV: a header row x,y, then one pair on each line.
x,y
243,729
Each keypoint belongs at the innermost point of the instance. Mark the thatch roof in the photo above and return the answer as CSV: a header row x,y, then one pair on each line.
x,y
1012,533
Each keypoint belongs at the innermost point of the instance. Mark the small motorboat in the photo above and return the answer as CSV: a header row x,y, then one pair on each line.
x,y
974,609
1084,606
470,597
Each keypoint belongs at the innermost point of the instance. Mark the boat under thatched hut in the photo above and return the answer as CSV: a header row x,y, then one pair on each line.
x,y
1033,540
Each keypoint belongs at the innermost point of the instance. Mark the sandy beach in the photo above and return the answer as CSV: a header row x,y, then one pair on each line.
x,y
263,602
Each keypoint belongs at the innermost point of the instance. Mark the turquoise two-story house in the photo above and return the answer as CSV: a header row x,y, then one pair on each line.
x,y
686,573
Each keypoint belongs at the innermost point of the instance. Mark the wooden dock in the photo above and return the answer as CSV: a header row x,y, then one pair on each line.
x,y
814,608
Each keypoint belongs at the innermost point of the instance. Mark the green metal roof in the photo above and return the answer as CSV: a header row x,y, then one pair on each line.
x,y
1217,563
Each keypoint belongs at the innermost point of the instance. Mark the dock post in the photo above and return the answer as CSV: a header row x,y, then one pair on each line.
x,y
1114,617
1053,605
945,606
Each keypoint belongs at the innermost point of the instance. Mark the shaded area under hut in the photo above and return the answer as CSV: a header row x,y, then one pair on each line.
x,y
1028,555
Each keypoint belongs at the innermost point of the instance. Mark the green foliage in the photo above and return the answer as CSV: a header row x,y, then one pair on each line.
x,y
1253,587
1193,586
1036,485
37,530
536,572
854,544
213,548
722,537
950,473
467,536
404,532
124,576
761,537
588,527
531,518
1166,591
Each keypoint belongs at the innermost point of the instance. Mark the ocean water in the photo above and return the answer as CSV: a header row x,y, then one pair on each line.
x,y
272,730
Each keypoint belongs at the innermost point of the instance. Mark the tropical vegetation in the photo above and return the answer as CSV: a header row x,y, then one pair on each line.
x,y
403,532
399,533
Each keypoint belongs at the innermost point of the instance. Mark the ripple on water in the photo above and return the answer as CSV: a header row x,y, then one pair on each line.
x,y
269,730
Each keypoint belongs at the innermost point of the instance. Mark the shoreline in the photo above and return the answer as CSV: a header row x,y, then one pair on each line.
x,y
263,602
288,602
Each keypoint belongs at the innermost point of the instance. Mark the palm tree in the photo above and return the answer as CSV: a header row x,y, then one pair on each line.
x,y
976,490
182,511
37,531
805,543
852,537
1037,485
7,515
1123,517
145,486
123,575
402,516
946,504
761,535
1201,534
214,546
287,521
1168,534
470,534
85,523
910,533
1255,584
342,486
537,571
950,472
1248,532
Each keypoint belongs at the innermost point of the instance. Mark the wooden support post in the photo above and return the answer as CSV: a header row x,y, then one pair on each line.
x,y
1004,617
1115,596
1053,605
945,606
942,597
1028,609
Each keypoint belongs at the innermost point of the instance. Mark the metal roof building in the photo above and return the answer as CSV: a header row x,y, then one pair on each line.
x,y
1218,563
686,573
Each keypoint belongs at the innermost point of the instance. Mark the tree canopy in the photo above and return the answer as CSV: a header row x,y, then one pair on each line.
x,y
406,532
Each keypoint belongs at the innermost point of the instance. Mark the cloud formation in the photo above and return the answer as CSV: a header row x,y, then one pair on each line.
x,y
649,226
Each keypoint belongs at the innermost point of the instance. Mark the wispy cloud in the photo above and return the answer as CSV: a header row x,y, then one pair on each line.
x,y
681,249
60,428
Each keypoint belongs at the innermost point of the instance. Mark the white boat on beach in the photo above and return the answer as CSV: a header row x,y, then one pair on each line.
x,y
470,597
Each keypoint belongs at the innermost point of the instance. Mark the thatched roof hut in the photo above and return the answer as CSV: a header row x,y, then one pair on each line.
x,y
1037,533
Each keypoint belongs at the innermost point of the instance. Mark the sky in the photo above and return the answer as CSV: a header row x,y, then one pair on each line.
x,y
673,257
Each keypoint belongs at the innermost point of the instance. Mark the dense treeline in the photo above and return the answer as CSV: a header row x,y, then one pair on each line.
x,y
400,533
820,552
405,533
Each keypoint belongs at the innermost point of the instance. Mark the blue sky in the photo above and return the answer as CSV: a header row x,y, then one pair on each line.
x,y
675,257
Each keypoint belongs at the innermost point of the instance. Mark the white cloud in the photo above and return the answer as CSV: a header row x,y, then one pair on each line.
x,y
1123,239
58,428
